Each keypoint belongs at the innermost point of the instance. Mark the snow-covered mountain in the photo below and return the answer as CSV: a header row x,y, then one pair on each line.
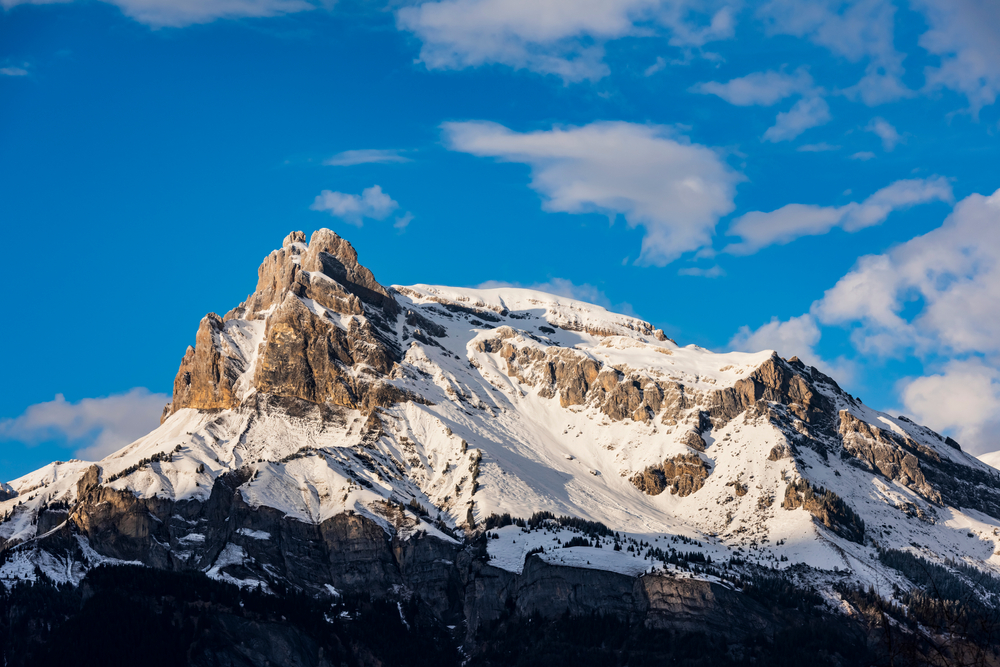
x,y
335,434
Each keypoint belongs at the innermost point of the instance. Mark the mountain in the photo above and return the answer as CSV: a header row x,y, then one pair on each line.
x,y
494,455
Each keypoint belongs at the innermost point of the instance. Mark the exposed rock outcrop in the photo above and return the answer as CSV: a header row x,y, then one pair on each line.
x,y
890,454
683,475
329,334
828,508
777,381
207,376
309,357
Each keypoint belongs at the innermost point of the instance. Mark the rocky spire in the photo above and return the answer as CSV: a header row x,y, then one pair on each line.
x,y
323,313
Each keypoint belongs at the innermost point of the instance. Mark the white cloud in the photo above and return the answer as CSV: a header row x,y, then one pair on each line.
x,y
935,297
561,37
817,148
659,65
759,88
371,203
714,271
403,221
964,34
863,156
951,273
13,71
97,426
758,229
365,156
807,113
886,132
854,29
179,13
963,400
794,337
656,178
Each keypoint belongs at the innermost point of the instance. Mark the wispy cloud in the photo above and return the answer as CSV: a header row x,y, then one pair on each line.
x,y
657,66
863,156
13,71
963,33
858,31
180,13
758,229
96,427
759,88
807,113
561,37
886,132
821,147
715,271
366,156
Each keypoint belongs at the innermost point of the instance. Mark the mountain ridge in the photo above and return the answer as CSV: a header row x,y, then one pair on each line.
x,y
335,435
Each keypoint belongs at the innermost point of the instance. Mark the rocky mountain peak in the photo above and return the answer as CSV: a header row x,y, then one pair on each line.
x,y
318,327
328,413
325,270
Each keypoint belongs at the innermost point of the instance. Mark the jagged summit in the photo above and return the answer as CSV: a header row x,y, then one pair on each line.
x,y
328,412
318,327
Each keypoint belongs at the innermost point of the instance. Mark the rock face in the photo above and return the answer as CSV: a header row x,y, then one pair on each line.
x,y
308,357
207,377
683,475
827,507
329,334
775,381
887,453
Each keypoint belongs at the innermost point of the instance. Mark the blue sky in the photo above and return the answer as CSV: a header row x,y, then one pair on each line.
x,y
812,176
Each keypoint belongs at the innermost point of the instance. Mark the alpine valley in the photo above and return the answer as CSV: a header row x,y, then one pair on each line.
x,y
358,474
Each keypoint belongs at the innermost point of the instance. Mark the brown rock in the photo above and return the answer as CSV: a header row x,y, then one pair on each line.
x,y
206,378
682,474
889,453
333,256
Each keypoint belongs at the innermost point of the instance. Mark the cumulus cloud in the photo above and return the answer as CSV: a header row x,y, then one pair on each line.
x,y
886,132
794,337
179,13
963,400
952,273
561,37
653,176
936,296
964,34
759,88
365,156
858,30
95,426
807,113
758,229
371,203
